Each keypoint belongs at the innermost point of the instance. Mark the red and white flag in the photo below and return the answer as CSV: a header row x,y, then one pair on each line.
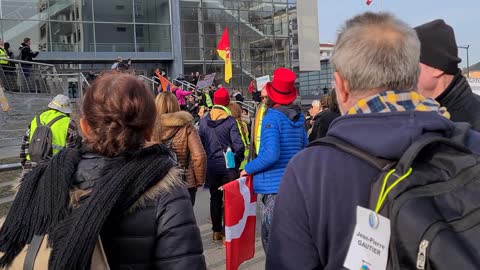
x,y
240,218
369,2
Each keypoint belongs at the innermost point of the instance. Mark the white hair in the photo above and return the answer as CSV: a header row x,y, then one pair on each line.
x,y
376,50
316,103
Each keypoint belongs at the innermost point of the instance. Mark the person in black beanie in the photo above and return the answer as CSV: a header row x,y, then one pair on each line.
x,y
440,77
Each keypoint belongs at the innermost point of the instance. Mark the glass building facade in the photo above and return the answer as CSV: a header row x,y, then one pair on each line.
x,y
315,83
179,35
262,36
85,27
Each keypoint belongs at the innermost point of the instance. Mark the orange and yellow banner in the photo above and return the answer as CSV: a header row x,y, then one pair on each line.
x,y
223,50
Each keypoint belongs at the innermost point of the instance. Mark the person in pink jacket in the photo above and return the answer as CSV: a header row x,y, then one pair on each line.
x,y
181,94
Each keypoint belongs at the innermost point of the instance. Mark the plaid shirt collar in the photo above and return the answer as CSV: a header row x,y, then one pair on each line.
x,y
398,101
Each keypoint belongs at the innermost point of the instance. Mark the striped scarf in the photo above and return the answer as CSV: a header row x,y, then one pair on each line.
x,y
398,101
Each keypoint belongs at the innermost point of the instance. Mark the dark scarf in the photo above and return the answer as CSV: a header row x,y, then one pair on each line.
x,y
42,205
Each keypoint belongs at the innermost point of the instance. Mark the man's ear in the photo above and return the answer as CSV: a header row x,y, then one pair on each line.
x,y
85,127
341,88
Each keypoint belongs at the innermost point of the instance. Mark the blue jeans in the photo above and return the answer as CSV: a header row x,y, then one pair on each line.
x,y
268,203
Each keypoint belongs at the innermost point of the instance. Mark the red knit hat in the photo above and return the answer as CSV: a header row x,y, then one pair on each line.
x,y
282,89
221,97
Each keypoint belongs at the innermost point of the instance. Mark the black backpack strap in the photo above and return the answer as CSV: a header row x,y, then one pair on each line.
x,y
55,120
39,123
414,150
379,163
32,252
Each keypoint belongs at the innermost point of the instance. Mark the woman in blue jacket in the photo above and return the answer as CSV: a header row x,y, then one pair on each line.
x,y
283,135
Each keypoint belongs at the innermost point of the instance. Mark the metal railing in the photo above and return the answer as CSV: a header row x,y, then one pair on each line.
x,y
73,84
249,105
151,80
29,77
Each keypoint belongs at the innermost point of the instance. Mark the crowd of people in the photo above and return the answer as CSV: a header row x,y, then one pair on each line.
x,y
130,180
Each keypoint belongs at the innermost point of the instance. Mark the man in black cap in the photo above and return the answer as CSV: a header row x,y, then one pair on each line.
x,y
440,77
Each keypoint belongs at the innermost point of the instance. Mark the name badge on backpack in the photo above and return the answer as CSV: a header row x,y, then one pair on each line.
x,y
371,237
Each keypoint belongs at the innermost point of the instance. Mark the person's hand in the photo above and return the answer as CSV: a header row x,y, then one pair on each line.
x,y
243,173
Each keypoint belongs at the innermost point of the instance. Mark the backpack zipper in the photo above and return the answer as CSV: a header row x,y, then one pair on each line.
x,y
422,255
459,225
461,179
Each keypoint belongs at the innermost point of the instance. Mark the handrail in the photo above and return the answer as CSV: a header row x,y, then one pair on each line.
x,y
146,78
26,62
72,74
244,104
85,79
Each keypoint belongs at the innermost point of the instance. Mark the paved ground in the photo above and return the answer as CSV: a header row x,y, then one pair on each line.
x,y
10,151
215,252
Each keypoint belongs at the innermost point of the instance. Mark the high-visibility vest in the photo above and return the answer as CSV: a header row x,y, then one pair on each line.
x,y
3,54
258,126
59,129
208,100
246,142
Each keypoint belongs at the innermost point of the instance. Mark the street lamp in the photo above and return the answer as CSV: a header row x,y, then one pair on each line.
x,y
468,63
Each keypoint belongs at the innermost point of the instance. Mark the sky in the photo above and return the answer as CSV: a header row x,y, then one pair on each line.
x,y
462,15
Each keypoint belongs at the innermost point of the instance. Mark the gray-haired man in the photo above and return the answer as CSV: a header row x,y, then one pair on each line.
x,y
376,59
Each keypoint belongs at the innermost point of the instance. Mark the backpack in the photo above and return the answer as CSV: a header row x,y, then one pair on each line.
x,y
432,198
36,254
40,147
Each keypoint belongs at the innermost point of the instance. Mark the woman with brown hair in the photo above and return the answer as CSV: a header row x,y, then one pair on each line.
x,y
131,196
236,111
175,129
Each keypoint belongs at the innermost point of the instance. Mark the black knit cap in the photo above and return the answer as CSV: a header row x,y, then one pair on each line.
x,y
439,47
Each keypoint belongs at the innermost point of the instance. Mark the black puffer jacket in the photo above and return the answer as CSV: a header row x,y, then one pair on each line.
x,y
461,102
159,231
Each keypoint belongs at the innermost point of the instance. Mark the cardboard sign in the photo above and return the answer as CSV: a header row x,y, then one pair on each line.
x,y
262,81
207,81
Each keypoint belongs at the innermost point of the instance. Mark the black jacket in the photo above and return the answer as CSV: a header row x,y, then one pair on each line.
x,y
321,123
461,102
257,96
26,52
159,231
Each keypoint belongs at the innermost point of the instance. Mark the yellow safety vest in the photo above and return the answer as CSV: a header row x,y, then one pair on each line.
x,y
3,54
208,100
59,129
246,142
258,126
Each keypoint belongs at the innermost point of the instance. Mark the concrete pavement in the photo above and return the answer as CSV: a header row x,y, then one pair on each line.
x,y
9,151
214,251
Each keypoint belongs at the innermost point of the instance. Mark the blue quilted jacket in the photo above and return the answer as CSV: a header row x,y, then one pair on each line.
x,y
283,136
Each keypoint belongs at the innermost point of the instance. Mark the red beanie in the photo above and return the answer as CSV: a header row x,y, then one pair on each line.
x,y
221,97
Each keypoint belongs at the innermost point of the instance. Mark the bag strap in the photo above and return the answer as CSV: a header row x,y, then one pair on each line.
x,y
55,120
414,150
32,252
218,140
379,163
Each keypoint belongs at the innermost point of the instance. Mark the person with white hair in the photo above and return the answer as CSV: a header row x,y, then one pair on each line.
x,y
326,187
